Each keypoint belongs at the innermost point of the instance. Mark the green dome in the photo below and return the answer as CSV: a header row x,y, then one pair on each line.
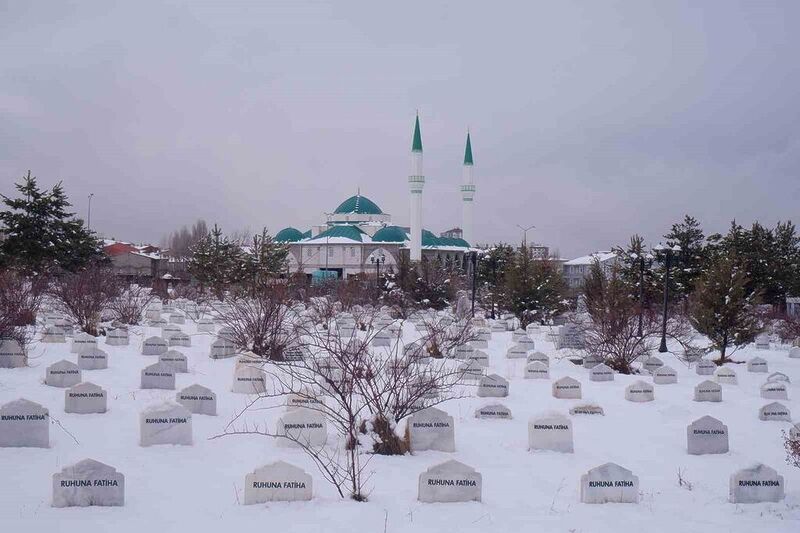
x,y
288,235
348,232
360,205
390,234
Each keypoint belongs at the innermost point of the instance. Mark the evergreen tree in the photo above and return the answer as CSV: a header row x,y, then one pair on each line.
x,y
722,308
688,262
40,231
266,258
216,262
493,265
534,289
636,273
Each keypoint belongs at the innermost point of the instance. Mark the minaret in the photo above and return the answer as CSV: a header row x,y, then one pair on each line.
x,y
467,195
416,182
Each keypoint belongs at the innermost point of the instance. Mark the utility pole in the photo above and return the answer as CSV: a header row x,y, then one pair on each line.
x,y
525,234
89,214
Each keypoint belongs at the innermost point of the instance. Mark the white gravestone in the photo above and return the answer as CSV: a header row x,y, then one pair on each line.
x,y
470,371
551,431
92,359
11,354
587,409
450,482
85,398
222,348
726,376
480,357
177,318
609,483
154,346
492,386
537,370
706,435
303,398
779,376
708,391
665,375
83,341
567,388
639,391
517,334
198,400
431,429
539,356
118,337
758,365
165,423
302,427
774,390
775,411
158,376
756,484
794,353
62,374
382,338
248,379
794,432
176,360
591,361
601,372
24,424
517,351
53,335
464,351
652,364
180,339
88,483
168,330
205,325
157,322
495,410
762,342
277,482
705,367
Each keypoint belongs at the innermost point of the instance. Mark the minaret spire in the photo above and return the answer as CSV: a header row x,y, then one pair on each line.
x,y
467,194
416,182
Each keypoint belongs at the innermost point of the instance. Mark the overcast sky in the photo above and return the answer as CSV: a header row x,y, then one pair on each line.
x,y
590,120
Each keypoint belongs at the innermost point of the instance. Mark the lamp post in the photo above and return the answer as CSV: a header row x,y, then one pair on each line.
x,y
89,214
668,251
641,290
377,260
525,234
474,279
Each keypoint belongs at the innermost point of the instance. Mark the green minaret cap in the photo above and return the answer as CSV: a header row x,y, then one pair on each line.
x,y
416,145
468,152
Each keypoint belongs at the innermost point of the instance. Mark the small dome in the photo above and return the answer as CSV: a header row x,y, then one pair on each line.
x,y
390,234
288,235
360,205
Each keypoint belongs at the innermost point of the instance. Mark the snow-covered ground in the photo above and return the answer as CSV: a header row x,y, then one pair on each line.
x,y
200,487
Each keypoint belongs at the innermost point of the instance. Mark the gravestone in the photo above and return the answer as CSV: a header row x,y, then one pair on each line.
x,y
53,335
168,330
205,325
527,343
294,354
158,322
499,327
591,361
726,376
88,483
518,334
601,372
762,341
705,367
480,357
758,365
382,337
639,391
431,429
665,375
794,353
471,371
24,424
158,376
180,339
464,351
774,390
62,374
85,398
706,435
587,409
222,348
775,411
495,410
551,431
165,423
570,337
277,482
11,354
779,376
82,341
449,482
302,426
516,352
537,370
609,483
177,318
248,379
176,360
492,386
567,388
651,364
532,328
198,400
756,484
154,346
794,432
304,398
92,359
539,356
117,337
708,391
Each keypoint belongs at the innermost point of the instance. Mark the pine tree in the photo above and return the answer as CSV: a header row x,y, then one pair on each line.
x,y
266,258
688,262
216,262
636,273
40,231
722,308
493,265
534,289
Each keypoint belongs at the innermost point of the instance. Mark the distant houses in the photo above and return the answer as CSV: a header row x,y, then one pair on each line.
x,y
145,262
576,270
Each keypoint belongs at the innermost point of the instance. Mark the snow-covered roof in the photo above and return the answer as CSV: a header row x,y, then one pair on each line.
x,y
602,257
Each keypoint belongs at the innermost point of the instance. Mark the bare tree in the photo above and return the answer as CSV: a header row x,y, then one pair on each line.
x,y
84,295
20,299
791,444
442,334
131,303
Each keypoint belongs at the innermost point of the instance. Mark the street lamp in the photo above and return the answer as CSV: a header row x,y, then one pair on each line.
x,y
641,290
377,260
89,214
668,251
474,279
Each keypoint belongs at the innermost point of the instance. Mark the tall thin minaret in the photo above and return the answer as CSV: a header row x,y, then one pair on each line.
x,y
467,195
416,182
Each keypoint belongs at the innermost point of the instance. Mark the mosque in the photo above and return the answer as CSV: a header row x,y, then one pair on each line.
x,y
358,237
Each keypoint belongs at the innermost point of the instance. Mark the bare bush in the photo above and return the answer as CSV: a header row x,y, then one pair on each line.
x,y
443,335
788,328
20,299
130,306
83,296
792,447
